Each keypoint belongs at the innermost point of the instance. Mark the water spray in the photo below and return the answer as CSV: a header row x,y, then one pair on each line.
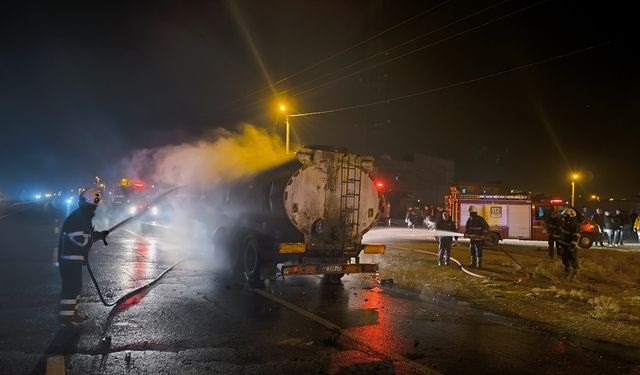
x,y
147,285
143,210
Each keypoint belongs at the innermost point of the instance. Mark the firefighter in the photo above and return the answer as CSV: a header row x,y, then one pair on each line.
x,y
444,242
476,230
569,242
76,238
554,224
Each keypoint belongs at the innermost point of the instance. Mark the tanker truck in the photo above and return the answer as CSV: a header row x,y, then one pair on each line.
x,y
304,217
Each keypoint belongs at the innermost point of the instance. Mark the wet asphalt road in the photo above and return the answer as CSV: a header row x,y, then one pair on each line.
x,y
197,319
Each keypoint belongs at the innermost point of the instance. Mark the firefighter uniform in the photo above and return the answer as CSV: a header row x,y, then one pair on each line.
x,y
76,238
554,231
569,242
444,242
476,230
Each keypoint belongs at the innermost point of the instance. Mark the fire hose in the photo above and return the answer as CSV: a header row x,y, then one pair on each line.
x,y
147,285
133,292
518,267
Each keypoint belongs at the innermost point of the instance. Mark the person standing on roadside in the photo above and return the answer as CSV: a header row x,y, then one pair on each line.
x,y
569,242
554,224
476,230
444,242
585,214
620,220
598,218
609,227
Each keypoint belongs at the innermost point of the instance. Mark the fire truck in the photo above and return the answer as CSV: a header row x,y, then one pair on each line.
x,y
514,216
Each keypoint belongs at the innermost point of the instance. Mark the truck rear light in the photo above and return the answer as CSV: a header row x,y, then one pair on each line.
x,y
374,249
323,268
291,248
291,270
309,269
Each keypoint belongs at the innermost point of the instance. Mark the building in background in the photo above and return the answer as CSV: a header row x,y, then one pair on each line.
x,y
479,188
414,180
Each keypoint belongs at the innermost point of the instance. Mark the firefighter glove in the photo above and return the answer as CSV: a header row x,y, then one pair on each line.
x,y
102,236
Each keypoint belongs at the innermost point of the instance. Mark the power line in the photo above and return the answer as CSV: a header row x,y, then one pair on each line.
x,y
422,47
456,84
343,51
406,42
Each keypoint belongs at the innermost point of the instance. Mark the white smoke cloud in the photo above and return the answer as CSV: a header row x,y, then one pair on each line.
x,y
225,157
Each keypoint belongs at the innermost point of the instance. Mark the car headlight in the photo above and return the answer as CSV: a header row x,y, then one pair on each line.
x,y
133,210
154,210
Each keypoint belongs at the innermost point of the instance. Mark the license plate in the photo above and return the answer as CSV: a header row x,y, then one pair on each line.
x,y
333,268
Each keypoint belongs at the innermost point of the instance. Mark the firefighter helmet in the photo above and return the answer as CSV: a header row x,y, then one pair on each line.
x,y
569,212
90,196
472,209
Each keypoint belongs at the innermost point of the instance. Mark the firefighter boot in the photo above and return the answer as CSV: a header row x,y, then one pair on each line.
x,y
574,275
82,317
473,262
479,263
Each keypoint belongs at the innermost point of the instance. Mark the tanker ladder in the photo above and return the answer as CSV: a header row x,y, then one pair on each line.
x,y
350,187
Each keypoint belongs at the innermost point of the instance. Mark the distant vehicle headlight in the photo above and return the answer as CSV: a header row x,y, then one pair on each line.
x,y
133,210
154,211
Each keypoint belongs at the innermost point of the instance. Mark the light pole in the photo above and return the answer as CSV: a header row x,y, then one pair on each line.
x,y
574,178
283,109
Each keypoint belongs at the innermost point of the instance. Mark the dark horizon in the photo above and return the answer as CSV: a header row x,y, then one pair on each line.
x,y
85,84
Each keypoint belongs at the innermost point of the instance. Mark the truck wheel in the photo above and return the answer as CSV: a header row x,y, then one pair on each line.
x,y
251,261
333,278
492,239
585,241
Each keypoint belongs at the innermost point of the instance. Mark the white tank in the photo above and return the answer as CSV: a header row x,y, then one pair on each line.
x,y
332,198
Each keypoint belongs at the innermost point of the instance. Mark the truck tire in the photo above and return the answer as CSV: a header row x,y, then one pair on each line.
x,y
585,241
333,278
251,261
492,239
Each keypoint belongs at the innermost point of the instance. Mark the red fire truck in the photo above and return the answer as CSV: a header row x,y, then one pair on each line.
x,y
514,216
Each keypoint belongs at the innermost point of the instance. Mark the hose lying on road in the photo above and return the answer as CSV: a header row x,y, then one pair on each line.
x,y
468,272
133,292
147,285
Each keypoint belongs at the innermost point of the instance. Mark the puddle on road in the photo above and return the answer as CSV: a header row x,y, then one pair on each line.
x,y
435,328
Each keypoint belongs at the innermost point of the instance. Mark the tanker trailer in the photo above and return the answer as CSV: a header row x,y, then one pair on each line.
x,y
304,217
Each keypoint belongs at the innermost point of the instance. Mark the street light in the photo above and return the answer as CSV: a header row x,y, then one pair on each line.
x,y
283,109
574,178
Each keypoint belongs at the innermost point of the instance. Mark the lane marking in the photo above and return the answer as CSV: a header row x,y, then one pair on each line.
x,y
55,365
334,327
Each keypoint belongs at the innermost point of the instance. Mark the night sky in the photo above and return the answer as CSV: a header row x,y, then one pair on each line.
x,y
83,84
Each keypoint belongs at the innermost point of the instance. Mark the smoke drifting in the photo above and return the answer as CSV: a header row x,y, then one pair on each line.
x,y
185,220
226,156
